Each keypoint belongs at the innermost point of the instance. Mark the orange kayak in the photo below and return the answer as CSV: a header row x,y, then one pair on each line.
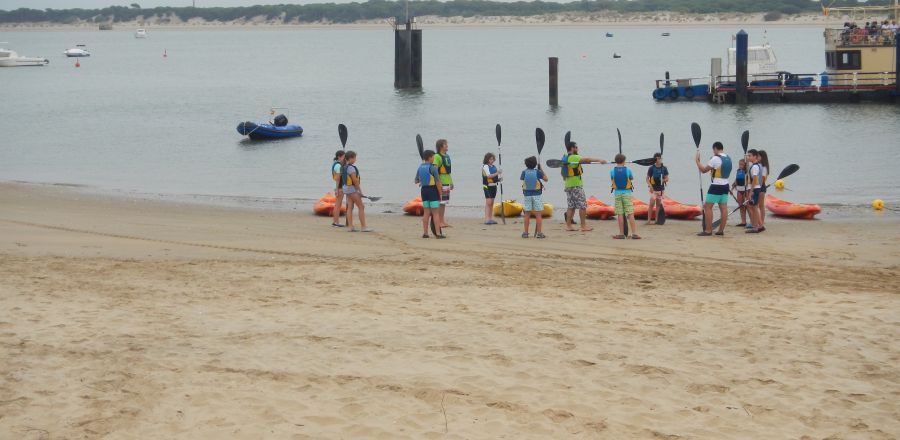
x,y
680,210
328,197
414,207
640,208
598,210
324,208
784,208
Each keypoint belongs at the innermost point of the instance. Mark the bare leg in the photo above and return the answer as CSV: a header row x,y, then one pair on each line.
x,y
762,210
620,219
582,215
723,211
488,210
631,224
740,200
425,216
338,202
350,211
527,220
362,210
570,215
539,220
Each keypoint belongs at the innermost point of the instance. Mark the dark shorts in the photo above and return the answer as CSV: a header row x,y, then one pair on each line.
x,y
754,199
430,194
490,192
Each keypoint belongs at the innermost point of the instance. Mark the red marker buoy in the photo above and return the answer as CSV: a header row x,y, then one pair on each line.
x,y
77,64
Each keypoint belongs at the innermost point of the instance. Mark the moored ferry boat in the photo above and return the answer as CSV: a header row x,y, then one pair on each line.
x,y
861,64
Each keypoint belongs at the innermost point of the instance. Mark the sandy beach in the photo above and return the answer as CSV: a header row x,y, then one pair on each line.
x,y
140,319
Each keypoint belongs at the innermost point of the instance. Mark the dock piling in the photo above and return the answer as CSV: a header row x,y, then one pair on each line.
x,y
897,64
741,68
554,81
407,56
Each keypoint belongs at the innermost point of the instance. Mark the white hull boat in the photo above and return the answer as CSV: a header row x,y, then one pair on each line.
x,y
140,33
77,51
9,58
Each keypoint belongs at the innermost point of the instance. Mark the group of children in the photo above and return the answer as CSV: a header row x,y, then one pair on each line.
x,y
435,181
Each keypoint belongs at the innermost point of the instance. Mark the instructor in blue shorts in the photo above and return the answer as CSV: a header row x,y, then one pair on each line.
x,y
719,168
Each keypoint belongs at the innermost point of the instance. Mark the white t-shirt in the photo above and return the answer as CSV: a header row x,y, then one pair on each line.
x,y
755,170
716,163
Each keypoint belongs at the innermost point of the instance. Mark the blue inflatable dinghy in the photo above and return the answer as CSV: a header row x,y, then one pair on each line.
x,y
279,130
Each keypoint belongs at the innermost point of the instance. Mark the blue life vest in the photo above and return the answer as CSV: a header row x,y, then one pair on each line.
x,y
425,177
725,170
346,180
486,179
567,170
620,180
740,177
657,177
336,176
531,181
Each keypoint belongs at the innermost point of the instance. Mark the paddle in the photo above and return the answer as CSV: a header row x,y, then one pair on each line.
x,y
660,210
342,133
539,142
624,219
421,147
556,163
567,140
374,199
787,171
695,132
500,163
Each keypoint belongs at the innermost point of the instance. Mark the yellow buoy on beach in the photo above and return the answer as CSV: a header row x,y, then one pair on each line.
x,y
878,204
779,184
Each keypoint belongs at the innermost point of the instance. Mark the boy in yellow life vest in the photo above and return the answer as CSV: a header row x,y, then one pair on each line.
x,y
623,189
532,188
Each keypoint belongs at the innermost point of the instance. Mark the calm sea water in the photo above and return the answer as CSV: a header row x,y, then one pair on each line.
x,y
131,120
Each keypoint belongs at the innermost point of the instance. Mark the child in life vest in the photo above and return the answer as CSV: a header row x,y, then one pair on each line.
x,y
623,191
350,180
490,177
532,188
740,187
430,182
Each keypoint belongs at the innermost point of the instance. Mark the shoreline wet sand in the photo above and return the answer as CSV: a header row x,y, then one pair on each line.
x,y
136,318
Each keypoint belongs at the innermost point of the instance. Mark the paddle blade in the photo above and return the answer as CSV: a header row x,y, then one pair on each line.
x,y
745,140
788,170
421,146
539,139
662,140
342,133
695,132
660,213
497,130
555,163
568,139
644,162
620,140
374,199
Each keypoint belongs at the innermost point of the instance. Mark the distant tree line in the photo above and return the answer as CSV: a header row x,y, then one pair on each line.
x,y
376,9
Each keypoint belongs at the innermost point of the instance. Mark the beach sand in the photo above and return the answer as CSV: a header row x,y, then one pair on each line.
x,y
136,319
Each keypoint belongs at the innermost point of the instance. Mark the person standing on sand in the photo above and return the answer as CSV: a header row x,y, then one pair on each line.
x,y
623,190
337,168
740,188
756,187
350,181
428,179
532,188
719,167
764,161
657,179
490,176
574,186
442,162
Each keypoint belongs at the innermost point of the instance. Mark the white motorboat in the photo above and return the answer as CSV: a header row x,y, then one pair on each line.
x,y
761,60
140,33
9,58
77,51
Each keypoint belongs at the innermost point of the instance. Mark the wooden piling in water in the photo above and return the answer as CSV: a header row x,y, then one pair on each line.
x,y
554,81
740,58
407,56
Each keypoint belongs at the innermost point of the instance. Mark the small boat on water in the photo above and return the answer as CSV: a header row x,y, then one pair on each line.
x,y
609,35
77,51
10,58
616,55
277,129
666,34
140,33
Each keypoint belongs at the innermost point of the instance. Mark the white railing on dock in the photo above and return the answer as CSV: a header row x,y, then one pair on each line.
x,y
785,81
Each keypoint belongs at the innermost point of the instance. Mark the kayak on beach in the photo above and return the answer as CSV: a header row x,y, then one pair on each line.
x,y
783,208
325,206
